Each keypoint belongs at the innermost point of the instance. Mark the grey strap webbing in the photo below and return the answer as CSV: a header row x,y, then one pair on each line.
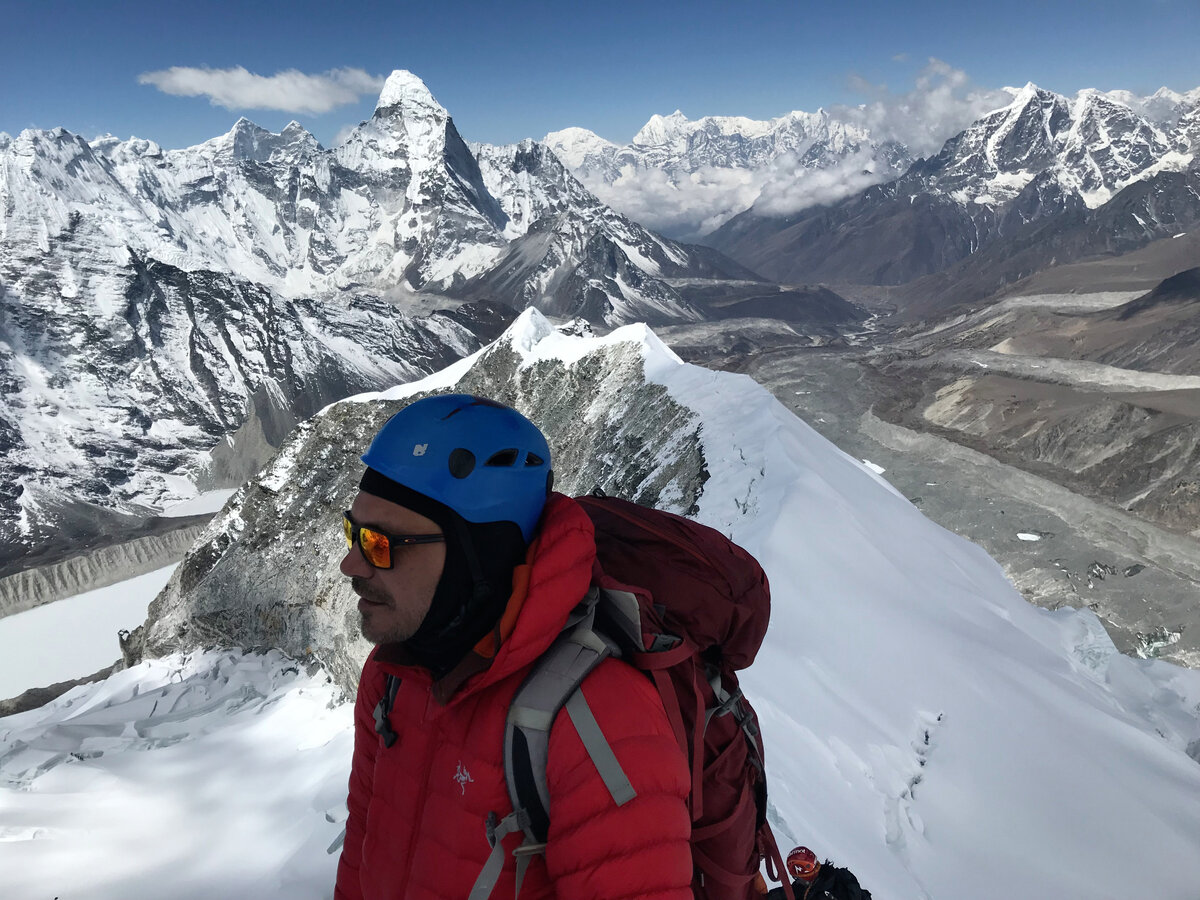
x,y
554,683
486,882
599,750
555,677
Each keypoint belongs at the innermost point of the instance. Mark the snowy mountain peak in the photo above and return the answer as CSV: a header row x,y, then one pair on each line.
x,y
574,146
407,94
247,140
1088,147
135,148
1166,95
661,129
1163,108
576,135
1030,95
1025,92
529,329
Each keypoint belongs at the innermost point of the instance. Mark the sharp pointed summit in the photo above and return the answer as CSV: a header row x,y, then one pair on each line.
x,y
405,93
660,129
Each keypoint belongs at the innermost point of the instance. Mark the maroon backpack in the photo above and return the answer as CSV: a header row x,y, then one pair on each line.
x,y
688,607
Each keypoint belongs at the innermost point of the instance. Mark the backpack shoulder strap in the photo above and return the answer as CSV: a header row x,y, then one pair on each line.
x,y
552,685
384,708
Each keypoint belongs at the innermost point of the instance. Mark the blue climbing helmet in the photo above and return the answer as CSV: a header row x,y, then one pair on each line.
x,y
482,459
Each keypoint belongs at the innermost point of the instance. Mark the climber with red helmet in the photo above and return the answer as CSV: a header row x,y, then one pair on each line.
x,y
814,880
467,567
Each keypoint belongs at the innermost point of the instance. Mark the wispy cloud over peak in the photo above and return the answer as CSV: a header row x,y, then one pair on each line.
x,y
289,91
942,102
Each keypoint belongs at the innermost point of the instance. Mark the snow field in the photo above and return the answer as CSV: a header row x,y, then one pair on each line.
x,y
211,775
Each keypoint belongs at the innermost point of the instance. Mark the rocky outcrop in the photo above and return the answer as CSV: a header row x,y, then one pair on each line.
x,y
265,571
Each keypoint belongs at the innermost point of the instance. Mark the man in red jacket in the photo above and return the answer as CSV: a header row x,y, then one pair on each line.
x,y
467,566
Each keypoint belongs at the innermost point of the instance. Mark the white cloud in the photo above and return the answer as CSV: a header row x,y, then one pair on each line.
x,y
791,187
290,90
691,205
942,103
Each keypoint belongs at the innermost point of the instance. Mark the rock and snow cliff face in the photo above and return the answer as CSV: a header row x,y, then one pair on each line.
x,y
115,392
265,570
1089,148
576,254
916,712
154,302
1044,179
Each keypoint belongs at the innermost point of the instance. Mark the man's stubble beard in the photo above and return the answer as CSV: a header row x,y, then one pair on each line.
x,y
399,632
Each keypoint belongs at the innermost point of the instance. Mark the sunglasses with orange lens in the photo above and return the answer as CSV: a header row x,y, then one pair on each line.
x,y
376,545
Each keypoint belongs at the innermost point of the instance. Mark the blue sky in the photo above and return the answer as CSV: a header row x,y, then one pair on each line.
x,y
508,70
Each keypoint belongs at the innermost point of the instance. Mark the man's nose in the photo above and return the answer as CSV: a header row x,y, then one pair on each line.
x,y
354,564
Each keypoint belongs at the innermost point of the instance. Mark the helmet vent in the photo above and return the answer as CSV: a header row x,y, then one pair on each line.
x,y
503,458
462,462
532,459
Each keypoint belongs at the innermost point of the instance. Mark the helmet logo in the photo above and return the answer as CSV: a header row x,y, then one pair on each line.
x,y
419,449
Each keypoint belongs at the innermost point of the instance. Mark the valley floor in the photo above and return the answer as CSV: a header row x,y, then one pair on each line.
x,y
1058,547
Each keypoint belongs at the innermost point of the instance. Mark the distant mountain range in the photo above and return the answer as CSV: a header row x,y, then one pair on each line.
x,y
688,177
155,302
1043,181
156,305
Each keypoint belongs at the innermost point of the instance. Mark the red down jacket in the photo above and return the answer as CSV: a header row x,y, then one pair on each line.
x,y
418,809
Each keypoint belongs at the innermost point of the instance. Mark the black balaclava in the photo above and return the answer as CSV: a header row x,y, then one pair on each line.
x,y
476,580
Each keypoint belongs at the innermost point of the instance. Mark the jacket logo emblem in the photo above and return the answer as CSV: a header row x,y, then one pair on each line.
x,y
462,776
419,449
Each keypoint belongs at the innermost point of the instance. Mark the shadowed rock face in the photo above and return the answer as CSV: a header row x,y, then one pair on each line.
x,y
105,414
265,572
